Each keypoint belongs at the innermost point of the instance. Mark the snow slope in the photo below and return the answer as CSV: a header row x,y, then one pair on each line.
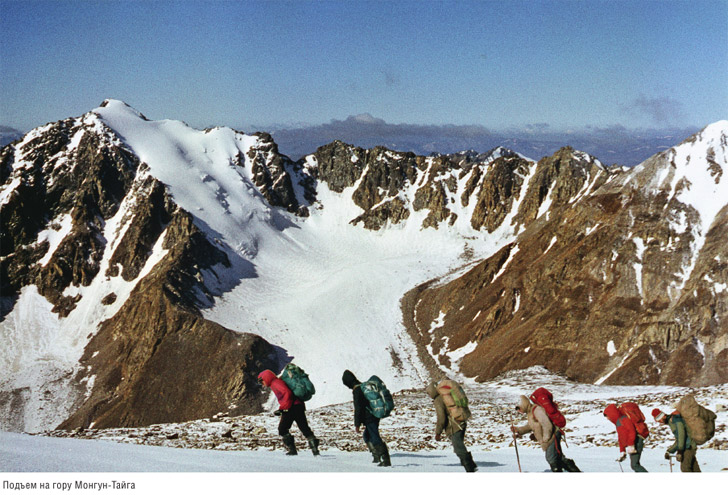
x,y
25,453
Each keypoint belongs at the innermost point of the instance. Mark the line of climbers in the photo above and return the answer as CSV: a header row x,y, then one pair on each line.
x,y
691,424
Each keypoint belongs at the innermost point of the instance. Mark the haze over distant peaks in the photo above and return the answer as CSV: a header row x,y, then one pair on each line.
x,y
614,144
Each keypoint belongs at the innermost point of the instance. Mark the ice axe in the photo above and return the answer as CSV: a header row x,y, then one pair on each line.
x,y
620,465
670,464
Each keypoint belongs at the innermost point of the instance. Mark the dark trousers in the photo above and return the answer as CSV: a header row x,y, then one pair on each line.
x,y
553,453
689,462
556,458
458,443
371,433
634,459
296,413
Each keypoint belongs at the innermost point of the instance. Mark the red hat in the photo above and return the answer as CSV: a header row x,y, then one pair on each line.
x,y
658,415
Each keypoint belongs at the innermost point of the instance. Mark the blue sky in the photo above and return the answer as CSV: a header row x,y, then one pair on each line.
x,y
496,64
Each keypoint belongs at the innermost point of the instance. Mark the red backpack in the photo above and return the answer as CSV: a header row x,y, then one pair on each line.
x,y
543,398
632,411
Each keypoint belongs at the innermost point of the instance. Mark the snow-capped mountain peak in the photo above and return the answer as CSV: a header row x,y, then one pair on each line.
x,y
207,173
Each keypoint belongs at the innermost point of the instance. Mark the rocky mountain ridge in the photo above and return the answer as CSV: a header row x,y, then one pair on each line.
x,y
625,286
117,222
130,230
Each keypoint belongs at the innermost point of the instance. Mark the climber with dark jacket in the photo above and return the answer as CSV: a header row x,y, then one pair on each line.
x,y
363,416
291,409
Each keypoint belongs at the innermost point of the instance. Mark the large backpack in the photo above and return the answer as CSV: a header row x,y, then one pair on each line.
x,y
632,411
699,421
298,381
380,400
455,400
543,398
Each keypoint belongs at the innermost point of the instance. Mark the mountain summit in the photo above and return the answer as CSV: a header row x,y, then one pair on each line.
x,y
151,270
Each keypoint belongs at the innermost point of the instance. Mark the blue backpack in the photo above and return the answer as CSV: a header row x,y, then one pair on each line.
x,y
297,380
380,400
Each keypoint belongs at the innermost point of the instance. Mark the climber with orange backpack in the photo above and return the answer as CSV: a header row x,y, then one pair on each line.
x,y
631,432
545,422
451,407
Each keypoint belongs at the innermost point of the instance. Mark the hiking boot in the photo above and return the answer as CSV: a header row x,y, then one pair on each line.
x,y
290,444
383,452
469,464
570,466
313,442
376,457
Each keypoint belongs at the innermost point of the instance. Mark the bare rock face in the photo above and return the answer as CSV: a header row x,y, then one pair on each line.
x,y
500,186
623,283
82,188
379,175
389,186
272,174
558,181
158,359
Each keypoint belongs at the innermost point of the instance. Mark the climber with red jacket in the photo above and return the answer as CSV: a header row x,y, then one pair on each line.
x,y
291,409
629,441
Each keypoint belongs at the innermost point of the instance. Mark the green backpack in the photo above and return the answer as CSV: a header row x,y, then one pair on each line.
x,y
298,381
380,399
455,400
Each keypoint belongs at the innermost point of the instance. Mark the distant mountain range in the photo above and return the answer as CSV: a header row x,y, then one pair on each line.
x,y
150,270
613,145
8,135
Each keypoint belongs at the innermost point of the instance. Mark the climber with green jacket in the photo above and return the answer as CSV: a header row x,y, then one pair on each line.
x,y
683,446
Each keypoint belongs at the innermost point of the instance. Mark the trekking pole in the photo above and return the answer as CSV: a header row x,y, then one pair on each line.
x,y
515,443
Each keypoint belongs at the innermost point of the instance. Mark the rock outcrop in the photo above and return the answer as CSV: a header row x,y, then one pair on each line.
x,y
476,190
